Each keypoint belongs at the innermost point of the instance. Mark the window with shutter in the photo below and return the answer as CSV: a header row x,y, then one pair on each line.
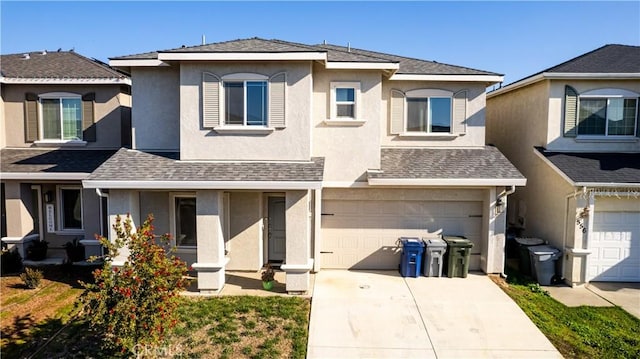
x,y
62,117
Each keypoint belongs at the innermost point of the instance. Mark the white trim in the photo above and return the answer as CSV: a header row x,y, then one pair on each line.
x,y
64,81
245,76
431,135
344,184
610,92
298,268
291,56
38,189
70,176
244,129
60,96
210,266
607,138
191,185
561,76
337,65
137,62
447,182
345,123
333,111
427,92
61,230
60,143
491,79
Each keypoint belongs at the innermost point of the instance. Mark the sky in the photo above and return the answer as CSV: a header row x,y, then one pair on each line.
x,y
516,39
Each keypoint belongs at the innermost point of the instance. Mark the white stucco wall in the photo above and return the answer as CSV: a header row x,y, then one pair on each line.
x,y
556,141
290,143
155,110
475,130
349,151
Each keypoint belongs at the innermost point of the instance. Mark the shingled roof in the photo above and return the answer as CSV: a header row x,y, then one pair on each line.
x,y
602,168
55,65
606,59
428,163
335,53
164,167
39,162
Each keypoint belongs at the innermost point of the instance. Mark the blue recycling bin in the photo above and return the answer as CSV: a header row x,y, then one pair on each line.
x,y
411,261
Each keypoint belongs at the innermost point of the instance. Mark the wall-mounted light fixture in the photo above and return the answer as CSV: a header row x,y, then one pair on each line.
x,y
48,196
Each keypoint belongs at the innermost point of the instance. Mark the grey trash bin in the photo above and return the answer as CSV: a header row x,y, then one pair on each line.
x,y
543,263
525,264
434,257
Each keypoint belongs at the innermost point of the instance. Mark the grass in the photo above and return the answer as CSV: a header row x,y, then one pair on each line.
x,y
37,323
577,332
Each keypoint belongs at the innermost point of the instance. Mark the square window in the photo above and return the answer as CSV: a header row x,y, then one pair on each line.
x,y
344,100
61,118
607,116
245,103
429,114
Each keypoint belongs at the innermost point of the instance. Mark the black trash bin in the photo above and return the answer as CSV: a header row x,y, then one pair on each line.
x,y
543,263
524,264
411,261
457,259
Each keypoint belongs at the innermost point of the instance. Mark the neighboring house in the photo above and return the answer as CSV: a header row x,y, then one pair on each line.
x,y
254,151
62,115
573,132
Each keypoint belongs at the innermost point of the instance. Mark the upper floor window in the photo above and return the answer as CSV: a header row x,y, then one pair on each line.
x,y
429,111
61,117
245,103
345,99
607,116
601,112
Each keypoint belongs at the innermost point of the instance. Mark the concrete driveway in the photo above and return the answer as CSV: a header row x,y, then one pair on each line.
x,y
359,314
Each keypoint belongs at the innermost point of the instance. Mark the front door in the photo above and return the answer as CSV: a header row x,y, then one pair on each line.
x,y
276,240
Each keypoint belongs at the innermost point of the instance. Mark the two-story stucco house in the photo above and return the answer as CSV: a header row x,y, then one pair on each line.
x,y
573,131
61,116
254,151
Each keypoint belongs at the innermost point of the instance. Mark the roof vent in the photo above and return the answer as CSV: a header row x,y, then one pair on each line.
x,y
348,46
26,56
324,42
44,52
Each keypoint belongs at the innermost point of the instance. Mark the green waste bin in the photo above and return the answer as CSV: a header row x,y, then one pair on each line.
x,y
457,259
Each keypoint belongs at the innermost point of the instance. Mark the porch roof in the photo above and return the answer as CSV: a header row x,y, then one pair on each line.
x,y
136,169
50,164
485,166
595,169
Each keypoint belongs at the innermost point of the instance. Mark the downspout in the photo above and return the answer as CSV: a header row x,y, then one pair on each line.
x,y
511,190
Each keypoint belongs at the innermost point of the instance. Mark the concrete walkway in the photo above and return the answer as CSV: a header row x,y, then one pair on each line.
x,y
600,294
358,314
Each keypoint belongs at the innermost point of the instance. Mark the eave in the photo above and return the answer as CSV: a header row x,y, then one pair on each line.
x,y
195,185
64,81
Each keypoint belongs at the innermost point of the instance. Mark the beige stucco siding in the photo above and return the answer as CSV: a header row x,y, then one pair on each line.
x,y
475,112
156,108
557,142
290,143
108,116
349,151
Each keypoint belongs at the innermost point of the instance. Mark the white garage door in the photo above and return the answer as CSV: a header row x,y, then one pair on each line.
x,y
361,234
616,247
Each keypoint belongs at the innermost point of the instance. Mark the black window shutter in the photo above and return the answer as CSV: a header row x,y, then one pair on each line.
x,y
88,117
31,117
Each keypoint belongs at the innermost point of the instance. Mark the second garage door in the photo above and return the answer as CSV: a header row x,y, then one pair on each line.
x,y
363,234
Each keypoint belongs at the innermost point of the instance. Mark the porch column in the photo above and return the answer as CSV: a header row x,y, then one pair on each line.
x,y
210,253
121,203
577,261
495,217
298,260
19,219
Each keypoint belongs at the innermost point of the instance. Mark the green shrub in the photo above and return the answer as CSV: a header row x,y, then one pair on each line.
x,y
134,304
31,278
11,261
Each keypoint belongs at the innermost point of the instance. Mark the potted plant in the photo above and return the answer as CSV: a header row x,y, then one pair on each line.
x,y
37,250
75,250
268,275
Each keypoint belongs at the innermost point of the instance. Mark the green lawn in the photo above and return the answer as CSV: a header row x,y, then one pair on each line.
x,y
219,327
577,332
